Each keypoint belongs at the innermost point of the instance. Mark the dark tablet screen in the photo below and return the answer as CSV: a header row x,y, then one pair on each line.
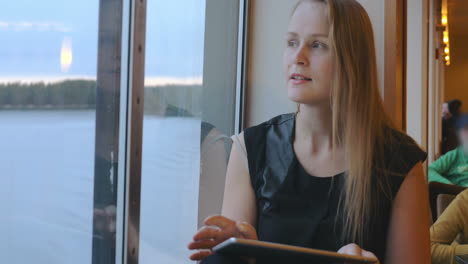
x,y
266,252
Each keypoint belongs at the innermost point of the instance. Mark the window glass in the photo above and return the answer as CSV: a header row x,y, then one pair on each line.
x,y
58,167
190,84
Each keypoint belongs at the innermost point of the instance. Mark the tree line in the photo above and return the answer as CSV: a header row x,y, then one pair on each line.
x,y
61,95
81,94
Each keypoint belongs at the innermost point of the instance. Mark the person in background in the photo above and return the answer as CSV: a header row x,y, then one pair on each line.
x,y
449,234
450,111
336,175
452,168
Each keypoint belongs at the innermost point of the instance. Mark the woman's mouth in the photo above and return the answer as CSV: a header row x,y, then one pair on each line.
x,y
298,79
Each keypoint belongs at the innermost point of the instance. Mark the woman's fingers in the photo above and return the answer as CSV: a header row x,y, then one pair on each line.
x,y
246,230
368,254
207,232
219,221
216,230
203,244
351,249
200,255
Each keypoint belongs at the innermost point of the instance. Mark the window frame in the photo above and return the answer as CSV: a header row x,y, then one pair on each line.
x,y
242,65
124,143
132,112
134,129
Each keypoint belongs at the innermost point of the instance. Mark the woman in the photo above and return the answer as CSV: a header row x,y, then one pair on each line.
x,y
449,234
376,204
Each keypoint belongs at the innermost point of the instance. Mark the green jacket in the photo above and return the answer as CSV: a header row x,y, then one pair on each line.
x,y
451,168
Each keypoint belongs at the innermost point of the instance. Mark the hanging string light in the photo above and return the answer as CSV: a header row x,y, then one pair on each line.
x,y
446,37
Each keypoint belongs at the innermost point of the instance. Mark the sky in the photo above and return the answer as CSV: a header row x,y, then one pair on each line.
x,y
32,34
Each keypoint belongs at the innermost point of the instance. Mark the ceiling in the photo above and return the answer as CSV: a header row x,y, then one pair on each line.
x,y
458,17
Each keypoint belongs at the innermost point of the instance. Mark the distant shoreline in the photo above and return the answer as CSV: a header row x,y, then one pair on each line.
x,y
47,107
81,95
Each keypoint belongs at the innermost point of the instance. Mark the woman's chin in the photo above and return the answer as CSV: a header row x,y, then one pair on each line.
x,y
302,97
297,100
309,100
297,94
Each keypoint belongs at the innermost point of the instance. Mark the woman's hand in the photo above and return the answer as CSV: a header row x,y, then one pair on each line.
x,y
216,230
355,250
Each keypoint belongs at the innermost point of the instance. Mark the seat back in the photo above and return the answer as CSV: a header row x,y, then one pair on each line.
x,y
443,201
436,189
215,149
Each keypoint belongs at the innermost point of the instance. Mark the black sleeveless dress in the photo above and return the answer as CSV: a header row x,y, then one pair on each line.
x,y
299,209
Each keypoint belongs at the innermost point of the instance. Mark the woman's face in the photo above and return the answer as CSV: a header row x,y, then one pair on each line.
x,y
307,59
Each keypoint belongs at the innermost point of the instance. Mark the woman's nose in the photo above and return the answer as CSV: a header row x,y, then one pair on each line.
x,y
300,57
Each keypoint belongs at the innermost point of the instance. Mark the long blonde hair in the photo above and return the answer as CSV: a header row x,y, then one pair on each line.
x,y
358,116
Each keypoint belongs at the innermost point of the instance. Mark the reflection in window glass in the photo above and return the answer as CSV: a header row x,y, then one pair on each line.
x,y
57,192
186,121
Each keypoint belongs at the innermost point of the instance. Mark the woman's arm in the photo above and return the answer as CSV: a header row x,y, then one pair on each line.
x,y
239,208
239,197
445,230
408,239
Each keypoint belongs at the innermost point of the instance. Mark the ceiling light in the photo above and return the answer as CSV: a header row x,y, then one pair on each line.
x,y
444,20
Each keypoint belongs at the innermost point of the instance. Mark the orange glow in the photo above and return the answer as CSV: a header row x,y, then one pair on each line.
x,y
66,55
444,20
446,50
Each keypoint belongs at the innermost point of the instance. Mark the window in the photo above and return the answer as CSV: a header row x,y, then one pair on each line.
x,y
59,124
190,103
67,130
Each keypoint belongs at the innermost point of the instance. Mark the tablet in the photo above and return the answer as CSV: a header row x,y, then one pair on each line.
x,y
282,253
462,259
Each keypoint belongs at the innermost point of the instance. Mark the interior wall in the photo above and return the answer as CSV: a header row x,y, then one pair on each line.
x,y
376,11
266,95
435,86
456,75
417,71
221,24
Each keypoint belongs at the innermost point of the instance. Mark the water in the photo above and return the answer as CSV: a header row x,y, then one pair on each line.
x,y
47,166
47,181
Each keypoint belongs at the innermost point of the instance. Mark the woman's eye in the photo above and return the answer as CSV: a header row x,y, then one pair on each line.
x,y
292,43
318,45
